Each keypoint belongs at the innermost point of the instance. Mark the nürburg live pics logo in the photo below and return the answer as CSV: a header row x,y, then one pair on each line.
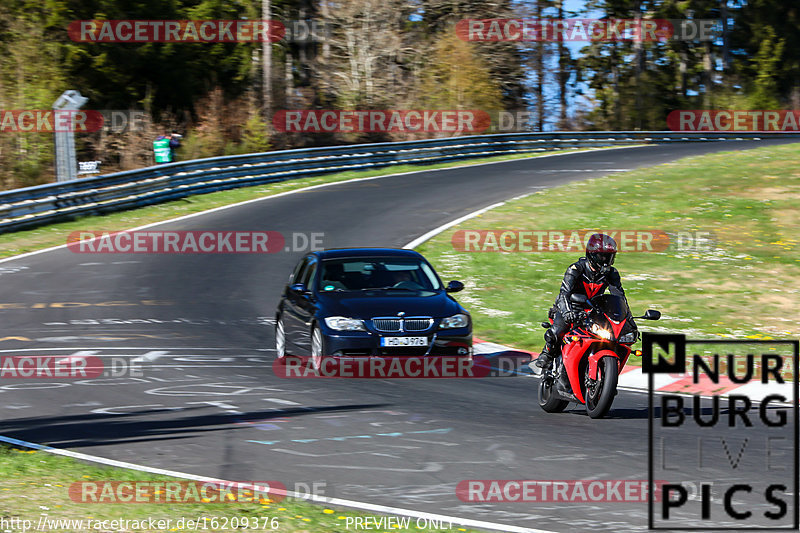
x,y
723,433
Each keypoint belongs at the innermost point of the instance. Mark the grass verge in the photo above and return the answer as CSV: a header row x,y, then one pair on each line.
x,y
20,242
36,485
744,286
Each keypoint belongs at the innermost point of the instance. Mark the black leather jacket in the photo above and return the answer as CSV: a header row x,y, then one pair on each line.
x,y
581,279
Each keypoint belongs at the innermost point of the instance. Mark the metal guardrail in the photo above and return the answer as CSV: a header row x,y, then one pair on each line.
x,y
43,204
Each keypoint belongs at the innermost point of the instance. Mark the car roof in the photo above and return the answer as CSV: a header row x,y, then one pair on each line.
x,y
366,252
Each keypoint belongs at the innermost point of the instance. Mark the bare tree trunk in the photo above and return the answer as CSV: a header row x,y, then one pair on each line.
x,y
326,45
252,102
682,70
723,13
539,74
708,76
288,77
266,69
563,74
638,67
615,76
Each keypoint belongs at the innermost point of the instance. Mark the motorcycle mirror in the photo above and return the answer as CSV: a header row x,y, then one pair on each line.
x,y
651,314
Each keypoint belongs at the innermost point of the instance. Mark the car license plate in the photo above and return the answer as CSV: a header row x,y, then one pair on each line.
x,y
404,341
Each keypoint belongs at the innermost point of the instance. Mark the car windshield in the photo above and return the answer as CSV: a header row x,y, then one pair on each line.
x,y
387,273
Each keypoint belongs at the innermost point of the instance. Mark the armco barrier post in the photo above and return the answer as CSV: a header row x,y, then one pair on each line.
x,y
66,162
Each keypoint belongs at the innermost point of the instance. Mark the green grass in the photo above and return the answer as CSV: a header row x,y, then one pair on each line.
x,y
37,483
746,287
20,242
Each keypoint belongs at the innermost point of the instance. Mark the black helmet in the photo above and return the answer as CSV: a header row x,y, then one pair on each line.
x,y
601,251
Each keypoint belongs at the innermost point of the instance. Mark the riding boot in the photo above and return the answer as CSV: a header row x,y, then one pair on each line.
x,y
545,358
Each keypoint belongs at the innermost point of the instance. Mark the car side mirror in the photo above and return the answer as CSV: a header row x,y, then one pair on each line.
x,y
651,314
579,299
454,286
297,288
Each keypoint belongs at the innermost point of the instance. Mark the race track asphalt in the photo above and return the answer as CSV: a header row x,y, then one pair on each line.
x,y
208,402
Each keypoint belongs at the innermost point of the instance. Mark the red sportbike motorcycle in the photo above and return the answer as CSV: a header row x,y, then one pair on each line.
x,y
593,355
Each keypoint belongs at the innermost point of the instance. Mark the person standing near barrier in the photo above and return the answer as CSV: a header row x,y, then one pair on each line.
x,y
164,147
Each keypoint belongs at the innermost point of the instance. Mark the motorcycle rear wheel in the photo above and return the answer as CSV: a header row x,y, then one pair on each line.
x,y
548,399
598,401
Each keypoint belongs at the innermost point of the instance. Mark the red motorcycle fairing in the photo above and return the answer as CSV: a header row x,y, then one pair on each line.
x,y
574,351
594,361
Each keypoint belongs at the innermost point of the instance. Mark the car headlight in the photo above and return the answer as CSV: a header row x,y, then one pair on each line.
x,y
341,323
602,332
456,321
628,337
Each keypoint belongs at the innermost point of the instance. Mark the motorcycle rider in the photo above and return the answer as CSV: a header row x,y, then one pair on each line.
x,y
590,276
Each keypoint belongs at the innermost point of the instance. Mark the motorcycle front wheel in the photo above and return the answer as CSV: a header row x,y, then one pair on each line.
x,y
600,393
548,399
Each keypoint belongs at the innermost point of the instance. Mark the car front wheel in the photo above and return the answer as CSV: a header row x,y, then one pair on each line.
x,y
316,347
280,339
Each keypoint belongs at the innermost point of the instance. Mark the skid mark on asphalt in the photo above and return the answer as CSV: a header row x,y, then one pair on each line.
x,y
150,356
309,454
214,389
439,443
439,431
280,401
429,467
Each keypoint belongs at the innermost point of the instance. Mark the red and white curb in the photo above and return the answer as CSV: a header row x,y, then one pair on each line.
x,y
633,379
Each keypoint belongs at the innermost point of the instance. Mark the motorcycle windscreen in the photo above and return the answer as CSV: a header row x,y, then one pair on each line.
x,y
614,307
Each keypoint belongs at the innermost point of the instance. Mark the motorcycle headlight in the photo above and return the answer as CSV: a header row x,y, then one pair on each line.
x,y
602,332
456,321
341,323
628,337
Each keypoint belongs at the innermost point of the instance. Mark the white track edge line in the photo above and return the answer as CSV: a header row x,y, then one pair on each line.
x,y
318,186
436,231
318,499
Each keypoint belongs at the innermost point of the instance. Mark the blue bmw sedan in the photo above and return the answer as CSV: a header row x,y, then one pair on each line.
x,y
369,302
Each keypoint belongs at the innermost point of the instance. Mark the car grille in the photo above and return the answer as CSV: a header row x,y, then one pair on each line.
x,y
398,325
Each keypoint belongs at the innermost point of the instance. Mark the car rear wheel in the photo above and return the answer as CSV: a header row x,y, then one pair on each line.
x,y
316,347
280,338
